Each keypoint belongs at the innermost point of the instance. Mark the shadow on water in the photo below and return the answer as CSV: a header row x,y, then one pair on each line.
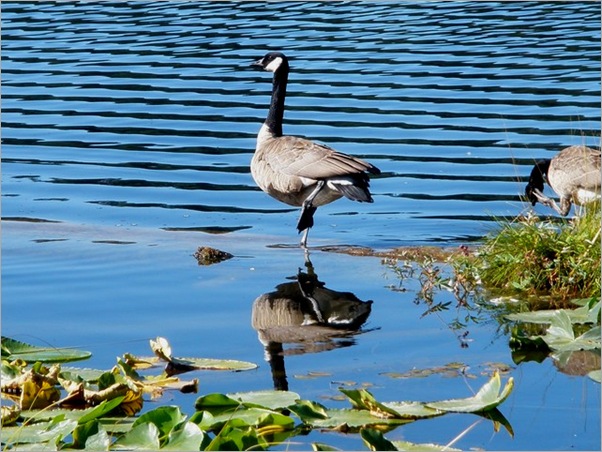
x,y
308,317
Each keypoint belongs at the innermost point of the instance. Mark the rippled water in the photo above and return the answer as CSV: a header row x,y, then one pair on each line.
x,y
146,113
120,119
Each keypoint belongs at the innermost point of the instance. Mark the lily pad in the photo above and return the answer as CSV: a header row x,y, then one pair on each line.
x,y
256,417
561,337
413,410
37,433
363,400
141,437
188,436
13,349
587,312
216,403
273,400
487,398
163,353
425,447
308,410
346,420
375,440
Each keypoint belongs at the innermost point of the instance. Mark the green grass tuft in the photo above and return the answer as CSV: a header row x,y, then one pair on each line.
x,y
533,256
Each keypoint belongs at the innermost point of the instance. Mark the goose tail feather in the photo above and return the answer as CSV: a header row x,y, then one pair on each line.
x,y
355,193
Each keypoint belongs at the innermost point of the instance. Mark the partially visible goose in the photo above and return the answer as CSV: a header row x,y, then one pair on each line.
x,y
574,174
297,171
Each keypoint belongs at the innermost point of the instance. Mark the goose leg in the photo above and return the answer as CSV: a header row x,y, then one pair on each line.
x,y
306,219
565,203
565,206
304,239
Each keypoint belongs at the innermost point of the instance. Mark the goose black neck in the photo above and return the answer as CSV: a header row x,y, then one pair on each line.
x,y
276,111
539,171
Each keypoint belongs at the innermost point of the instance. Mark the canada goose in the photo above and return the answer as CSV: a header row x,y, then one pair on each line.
x,y
297,171
574,174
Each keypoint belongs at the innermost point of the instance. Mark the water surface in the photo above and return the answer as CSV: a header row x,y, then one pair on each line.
x,y
127,133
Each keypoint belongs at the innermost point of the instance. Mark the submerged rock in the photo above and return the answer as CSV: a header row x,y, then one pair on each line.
x,y
206,255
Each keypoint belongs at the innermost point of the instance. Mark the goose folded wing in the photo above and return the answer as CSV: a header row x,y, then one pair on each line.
x,y
591,177
304,158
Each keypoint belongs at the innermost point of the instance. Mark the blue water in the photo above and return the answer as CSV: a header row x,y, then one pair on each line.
x,y
127,133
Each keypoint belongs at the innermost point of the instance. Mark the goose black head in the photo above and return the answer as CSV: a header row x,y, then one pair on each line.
x,y
536,180
272,62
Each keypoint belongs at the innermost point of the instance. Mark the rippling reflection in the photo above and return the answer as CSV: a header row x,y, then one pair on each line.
x,y
306,316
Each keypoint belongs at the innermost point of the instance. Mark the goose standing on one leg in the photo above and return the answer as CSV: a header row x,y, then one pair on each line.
x,y
297,171
574,174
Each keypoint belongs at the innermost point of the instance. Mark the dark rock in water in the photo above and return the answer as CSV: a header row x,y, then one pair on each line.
x,y
206,255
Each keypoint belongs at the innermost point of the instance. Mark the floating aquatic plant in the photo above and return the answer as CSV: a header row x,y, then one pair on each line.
x,y
237,421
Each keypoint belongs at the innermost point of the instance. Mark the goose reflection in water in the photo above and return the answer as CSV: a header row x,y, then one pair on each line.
x,y
307,314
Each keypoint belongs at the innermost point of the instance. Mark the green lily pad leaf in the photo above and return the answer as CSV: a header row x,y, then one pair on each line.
x,y
86,374
590,340
307,410
272,400
162,350
84,431
201,418
375,440
413,410
233,438
588,312
363,400
214,364
253,416
560,335
111,424
560,330
102,409
322,447
165,418
352,420
143,436
187,437
99,441
37,433
13,349
487,398
180,365
216,403
428,447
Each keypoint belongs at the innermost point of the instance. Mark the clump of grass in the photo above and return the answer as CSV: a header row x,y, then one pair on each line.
x,y
533,256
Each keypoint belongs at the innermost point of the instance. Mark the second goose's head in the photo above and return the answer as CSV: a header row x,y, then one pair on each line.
x,y
536,180
272,62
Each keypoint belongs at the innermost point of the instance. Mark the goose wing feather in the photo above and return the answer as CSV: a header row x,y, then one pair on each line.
x,y
582,166
592,177
300,157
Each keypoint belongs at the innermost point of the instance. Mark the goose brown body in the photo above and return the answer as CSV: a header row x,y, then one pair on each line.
x,y
298,171
288,168
574,174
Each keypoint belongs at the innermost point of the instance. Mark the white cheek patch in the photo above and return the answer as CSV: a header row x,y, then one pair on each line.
x,y
274,65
